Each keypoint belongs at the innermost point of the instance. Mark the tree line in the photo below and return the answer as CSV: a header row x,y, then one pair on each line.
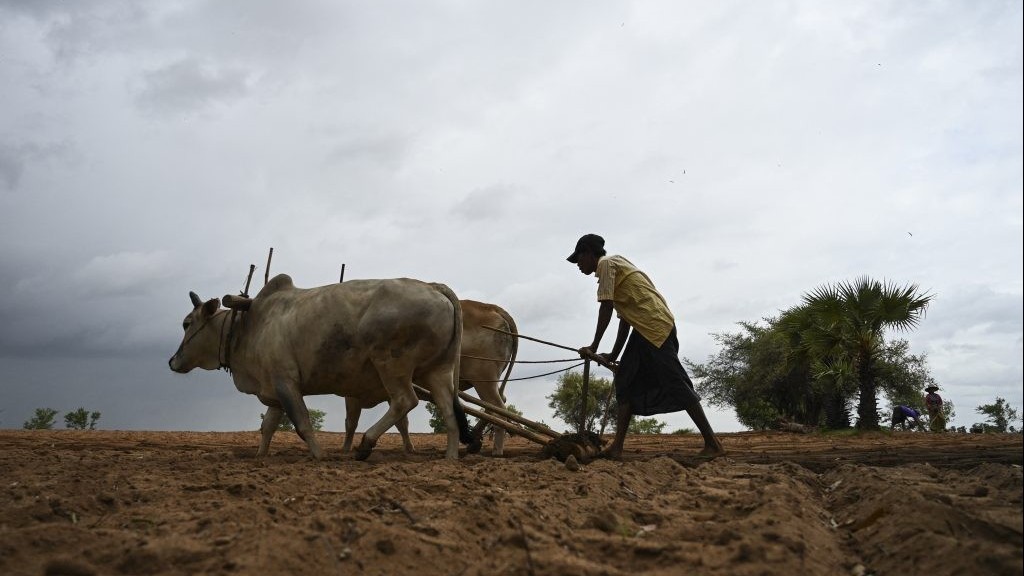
x,y
821,364
824,362
565,400
45,418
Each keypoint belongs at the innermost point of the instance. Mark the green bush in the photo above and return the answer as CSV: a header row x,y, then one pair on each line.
x,y
42,420
646,426
316,420
81,419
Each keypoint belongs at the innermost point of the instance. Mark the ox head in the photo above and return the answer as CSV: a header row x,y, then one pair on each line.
x,y
201,344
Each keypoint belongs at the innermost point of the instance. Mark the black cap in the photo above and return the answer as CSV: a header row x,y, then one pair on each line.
x,y
589,242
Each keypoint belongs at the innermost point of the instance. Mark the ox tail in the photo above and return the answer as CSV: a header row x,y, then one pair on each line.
x,y
465,434
515,349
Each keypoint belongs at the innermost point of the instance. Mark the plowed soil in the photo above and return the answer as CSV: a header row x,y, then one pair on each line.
x,y
108,502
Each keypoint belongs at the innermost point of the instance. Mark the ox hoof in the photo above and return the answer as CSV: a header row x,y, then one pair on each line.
x,y
363,451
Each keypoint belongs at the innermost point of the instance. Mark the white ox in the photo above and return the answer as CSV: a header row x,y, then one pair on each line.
x,y
486,354
365,339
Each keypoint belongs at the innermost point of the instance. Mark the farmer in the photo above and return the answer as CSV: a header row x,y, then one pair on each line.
x,y
902,414
650,379
933,404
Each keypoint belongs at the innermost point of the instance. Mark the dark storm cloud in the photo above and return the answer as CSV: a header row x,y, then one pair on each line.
x,y
103,306
75,30
15,158
39,9
979,309
189,85
12,164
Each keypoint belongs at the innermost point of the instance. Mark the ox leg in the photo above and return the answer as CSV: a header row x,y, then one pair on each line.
x,y
401,400
440,384
295,407
271,420
488,392
403,429
466,435
352,412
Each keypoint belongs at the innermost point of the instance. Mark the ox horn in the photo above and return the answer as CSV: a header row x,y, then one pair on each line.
x,y
196,301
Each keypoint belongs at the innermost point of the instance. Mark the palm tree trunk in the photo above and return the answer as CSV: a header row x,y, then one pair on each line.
x,y
836,415
867,407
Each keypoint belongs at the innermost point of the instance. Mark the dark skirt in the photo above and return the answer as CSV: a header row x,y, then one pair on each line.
x,y
651,379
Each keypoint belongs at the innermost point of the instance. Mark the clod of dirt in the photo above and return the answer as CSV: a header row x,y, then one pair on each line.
x,y
386,547
605,521
571,464
67,567
584,446
870,518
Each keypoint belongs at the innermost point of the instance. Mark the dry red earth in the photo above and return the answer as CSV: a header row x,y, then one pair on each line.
x,y
103,502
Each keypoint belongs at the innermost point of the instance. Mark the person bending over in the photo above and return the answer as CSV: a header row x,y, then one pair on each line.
x,y
903,415
650,379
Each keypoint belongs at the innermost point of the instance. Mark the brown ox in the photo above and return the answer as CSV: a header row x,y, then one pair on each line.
x,y
486,354
365,339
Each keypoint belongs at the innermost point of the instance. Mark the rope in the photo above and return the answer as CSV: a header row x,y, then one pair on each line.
x,y
537,376
595,357
519,361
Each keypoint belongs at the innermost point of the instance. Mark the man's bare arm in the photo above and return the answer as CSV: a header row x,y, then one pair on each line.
x,y
604,316
620,340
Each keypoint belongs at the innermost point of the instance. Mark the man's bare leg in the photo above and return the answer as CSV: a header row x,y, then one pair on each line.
x,y
625,413
712,445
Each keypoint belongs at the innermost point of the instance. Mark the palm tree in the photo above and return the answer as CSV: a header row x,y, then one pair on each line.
x,y
840,330
817,353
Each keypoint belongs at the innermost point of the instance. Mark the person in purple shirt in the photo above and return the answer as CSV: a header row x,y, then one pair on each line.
x,y
902,415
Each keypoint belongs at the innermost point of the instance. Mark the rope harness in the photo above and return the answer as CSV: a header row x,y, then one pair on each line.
x,y
597,359
223,364
224,347
226,364
577,365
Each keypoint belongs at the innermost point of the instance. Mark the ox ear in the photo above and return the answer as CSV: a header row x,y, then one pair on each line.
x,y
211,306
196,300
240,303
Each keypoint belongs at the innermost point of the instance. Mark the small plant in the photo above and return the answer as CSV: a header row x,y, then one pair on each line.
x,y
487,429
436,422
81,419
316,420
42,420
1000,415
684,431
646,426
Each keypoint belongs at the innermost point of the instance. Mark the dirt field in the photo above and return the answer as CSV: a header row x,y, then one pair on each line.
x,y
103,502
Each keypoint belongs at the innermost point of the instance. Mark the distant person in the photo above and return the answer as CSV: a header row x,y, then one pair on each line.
x,y
902,415
650,379
933,404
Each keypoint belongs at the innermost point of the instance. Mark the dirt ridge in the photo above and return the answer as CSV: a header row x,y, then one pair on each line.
x,y
108,502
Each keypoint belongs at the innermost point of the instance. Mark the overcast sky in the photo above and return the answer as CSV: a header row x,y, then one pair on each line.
x,y
741,153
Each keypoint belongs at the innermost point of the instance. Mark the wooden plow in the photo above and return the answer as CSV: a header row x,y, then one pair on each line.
x,y
583,444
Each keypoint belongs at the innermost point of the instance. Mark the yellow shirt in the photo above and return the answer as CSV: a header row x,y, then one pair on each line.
x,y
634,297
